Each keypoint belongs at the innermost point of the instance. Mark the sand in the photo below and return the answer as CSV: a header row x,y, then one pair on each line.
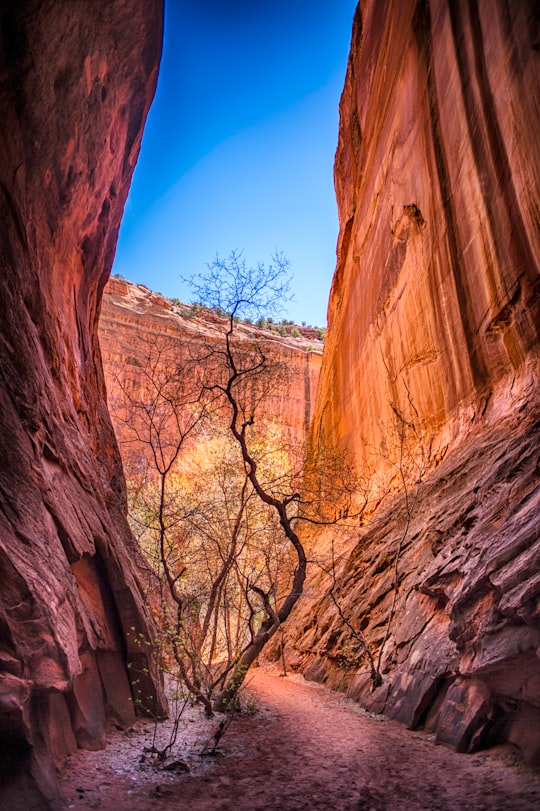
x,y
303,747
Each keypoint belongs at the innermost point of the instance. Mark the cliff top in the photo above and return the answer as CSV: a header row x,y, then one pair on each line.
x,y
139,299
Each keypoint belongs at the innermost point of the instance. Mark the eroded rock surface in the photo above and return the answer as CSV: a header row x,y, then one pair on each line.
x,y
430,374
459,634
77,82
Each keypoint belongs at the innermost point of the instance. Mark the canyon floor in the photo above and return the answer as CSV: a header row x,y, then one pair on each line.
x,y
303,747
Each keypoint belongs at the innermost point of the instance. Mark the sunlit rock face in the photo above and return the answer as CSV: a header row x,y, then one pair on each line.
x,y
138,326
430,373
77,82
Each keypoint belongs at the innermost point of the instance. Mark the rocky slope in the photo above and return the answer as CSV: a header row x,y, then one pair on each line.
x,y
77,82
136,325
430,375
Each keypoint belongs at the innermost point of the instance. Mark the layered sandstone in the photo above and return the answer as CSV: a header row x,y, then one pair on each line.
x,y
430,373
137,325
77,82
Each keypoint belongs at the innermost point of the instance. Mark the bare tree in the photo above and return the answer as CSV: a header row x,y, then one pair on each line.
x,y
241,292
210,541
217,517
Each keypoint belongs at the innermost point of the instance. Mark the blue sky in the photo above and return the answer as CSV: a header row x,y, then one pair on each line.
x,y
239,145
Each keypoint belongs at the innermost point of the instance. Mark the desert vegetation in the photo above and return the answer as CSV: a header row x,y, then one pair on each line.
x,y
283,327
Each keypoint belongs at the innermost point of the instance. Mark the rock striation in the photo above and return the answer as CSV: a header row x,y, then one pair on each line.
x,y
136,326
430,375
77,82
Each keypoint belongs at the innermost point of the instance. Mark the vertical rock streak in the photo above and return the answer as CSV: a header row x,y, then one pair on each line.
x,y
452,233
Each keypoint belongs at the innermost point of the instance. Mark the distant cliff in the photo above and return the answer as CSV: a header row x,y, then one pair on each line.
x,y
133,319
430,374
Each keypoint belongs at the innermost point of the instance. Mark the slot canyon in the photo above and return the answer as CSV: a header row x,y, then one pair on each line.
x,y
428,379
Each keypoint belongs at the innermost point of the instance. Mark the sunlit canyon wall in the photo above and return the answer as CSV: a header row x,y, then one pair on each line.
x,y
139,329
430,374
77,82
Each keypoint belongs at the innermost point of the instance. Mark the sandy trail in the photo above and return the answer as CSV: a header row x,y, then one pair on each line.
x,y
307,748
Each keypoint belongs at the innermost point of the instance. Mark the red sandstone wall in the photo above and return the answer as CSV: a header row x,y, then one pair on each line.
x,y
77,82
435,295
433,328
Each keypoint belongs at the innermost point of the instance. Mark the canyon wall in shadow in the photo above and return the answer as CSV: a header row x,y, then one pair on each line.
x,y
77,82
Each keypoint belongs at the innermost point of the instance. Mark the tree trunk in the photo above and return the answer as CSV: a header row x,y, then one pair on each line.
x,y
226,701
